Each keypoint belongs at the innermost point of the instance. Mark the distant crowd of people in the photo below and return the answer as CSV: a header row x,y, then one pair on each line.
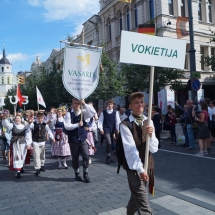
x,y
196,123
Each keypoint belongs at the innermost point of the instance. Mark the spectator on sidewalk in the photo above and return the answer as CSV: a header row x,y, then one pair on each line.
x,y
212,104
183,124
204,132
166,126
156,118
189,119
207,101
172,122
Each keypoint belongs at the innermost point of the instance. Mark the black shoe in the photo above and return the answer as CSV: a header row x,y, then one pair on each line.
x,y
78,177
42,169
65,167
18,175
22,170
37,172
86,177
108,160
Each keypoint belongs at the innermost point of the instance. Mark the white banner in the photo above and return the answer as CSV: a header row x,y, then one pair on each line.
x,y
40,99
149,50
170,95
81,70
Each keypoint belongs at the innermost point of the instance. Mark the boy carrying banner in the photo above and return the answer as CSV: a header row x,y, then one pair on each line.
x,y
133,132
75,125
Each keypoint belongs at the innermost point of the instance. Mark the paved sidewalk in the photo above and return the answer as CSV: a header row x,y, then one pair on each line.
x,y
184,185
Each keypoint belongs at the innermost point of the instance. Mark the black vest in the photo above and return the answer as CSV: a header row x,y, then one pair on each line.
x,y
109,123
39,132
139,134
78,133
18,134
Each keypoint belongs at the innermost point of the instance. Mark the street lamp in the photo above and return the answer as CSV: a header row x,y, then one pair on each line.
x,y
192,50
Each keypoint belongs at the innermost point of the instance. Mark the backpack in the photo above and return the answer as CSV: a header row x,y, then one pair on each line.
x,y
120,154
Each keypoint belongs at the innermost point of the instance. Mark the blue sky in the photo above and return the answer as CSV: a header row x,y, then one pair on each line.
x,y
31,28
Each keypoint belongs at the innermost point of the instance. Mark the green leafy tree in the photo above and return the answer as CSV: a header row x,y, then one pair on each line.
x,y
138,77
111,81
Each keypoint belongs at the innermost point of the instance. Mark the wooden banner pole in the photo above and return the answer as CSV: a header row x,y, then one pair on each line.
x,y
149,117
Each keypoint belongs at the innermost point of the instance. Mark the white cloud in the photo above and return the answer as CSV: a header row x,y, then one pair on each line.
x,y
16,57
34,3
74,11
67,9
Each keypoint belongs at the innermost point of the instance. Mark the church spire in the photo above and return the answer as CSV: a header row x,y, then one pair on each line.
x,y
4,60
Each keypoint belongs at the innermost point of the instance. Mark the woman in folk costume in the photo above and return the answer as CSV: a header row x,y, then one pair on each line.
x,y
60,148
20,142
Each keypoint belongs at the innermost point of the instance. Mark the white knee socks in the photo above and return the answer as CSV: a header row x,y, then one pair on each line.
x,y
60,165
64,162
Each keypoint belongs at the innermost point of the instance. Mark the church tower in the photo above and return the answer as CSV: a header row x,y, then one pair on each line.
x,y
6,75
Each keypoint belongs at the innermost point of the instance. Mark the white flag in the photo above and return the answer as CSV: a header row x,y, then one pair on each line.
x,y
40,98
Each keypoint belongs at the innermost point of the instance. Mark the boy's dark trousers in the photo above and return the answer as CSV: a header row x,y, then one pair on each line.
x,y
139,195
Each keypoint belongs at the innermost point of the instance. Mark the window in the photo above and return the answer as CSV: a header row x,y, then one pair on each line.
x,y
200,10
2,80
135,16
90,43
171,10
109,31
202,58
209,11
2,69
8,80
182,7
151,9
120,23
128,19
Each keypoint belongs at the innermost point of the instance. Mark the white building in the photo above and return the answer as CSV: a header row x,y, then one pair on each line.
x,y
7,78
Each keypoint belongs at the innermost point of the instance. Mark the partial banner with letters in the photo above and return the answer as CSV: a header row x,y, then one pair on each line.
x,y
81,69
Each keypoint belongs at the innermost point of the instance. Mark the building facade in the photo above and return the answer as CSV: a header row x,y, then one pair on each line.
x,y
115,16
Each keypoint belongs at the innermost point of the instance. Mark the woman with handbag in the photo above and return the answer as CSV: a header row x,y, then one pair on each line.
x,y
60,148
204,131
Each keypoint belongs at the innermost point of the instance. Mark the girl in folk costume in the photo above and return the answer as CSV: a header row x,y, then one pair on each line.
x,y
20,142
60,148
90,139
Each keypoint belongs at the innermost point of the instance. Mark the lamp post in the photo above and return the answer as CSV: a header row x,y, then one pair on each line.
x,y
192,50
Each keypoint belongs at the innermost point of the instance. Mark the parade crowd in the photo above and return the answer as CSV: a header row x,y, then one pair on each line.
x,y
75,131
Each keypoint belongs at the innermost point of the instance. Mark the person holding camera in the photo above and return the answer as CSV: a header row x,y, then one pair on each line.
x,y
204,132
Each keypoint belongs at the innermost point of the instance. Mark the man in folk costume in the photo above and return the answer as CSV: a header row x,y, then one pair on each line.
x,y
39,129
134,144
75,125
20,142
109,123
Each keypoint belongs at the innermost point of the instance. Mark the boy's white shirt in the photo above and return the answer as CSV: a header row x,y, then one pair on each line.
x,y
9,127
101,120
50,134
130,149
88,112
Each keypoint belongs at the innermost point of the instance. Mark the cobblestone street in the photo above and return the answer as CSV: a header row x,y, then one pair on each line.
x,y
184,184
